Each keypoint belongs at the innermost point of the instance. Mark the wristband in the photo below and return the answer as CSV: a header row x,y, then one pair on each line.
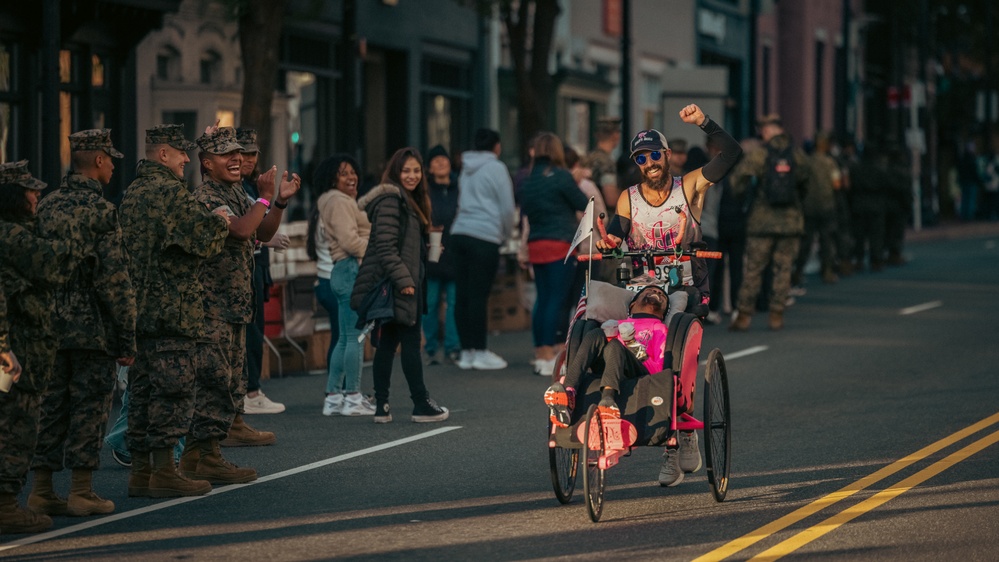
x,y
704,124
279,205
264,201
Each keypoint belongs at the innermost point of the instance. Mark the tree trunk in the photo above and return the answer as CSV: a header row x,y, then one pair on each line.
x,y
260,23
534,83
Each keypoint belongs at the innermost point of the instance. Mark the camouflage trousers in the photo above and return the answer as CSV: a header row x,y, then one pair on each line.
x,y
161,393
220,381
74,411
19,420
781,251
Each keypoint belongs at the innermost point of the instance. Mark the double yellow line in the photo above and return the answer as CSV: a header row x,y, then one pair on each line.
x,y
812,533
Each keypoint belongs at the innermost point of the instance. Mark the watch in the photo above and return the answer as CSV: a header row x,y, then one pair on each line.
x,y
705,122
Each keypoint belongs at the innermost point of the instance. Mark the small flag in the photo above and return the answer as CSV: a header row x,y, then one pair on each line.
x,y
585,229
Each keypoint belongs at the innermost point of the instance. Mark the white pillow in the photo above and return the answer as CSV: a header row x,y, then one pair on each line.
x,y
607,302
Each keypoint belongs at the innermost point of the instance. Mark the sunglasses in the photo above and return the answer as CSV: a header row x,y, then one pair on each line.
x,y
655,155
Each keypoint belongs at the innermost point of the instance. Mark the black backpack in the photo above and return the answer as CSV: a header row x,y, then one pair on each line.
x,y
778,182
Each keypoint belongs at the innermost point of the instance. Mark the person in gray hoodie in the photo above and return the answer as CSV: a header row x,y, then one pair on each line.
x,y
484,222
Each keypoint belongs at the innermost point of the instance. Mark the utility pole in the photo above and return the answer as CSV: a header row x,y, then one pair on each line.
x,y
352,135
626,132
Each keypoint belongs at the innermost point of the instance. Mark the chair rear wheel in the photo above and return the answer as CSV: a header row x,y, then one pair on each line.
x,y
563,464
717,426
593,475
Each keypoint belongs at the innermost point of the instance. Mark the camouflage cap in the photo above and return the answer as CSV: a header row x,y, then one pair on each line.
x,y
247,138
222,141
172,135
93,139
17,173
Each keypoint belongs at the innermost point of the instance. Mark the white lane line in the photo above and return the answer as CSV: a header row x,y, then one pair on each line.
x,y
216,491
737,354
920,307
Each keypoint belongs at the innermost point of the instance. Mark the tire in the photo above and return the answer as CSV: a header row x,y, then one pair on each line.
x,y
717,425
564,466
593,475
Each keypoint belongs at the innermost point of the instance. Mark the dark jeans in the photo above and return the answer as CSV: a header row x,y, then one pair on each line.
x,y
869,235
392,336
326,298
610,359
733,249
822,226
550,317
255,331
475,271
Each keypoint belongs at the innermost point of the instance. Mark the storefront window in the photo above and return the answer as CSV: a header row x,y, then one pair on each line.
x,y
303,131
96,71
439,122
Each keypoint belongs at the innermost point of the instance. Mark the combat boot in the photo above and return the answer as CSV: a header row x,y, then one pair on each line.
x,y
43,498
189,458
166,482
242,435
740,323
776,320
82,499
15,520
138,480
215,469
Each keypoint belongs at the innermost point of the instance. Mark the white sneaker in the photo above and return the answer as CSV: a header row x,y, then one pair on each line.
x,y
356,405
333,405
486,360
544,367
261,404
466,359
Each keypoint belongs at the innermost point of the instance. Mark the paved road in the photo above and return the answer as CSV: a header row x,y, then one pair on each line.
x,y
855,438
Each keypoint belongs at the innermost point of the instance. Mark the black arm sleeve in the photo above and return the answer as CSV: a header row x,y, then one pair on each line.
x,y
725,160
620,227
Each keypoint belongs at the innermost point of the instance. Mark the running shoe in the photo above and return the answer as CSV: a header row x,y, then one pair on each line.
x,y
560,404
485,360
670,473
333,404
690,455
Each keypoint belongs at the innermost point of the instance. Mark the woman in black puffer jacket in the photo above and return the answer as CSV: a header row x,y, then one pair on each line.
x,y
399,210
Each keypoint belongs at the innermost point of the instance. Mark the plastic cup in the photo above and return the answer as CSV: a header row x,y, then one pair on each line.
x,y
434,254
6,380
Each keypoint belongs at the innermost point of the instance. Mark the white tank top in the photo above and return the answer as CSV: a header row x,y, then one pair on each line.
x,y
661,227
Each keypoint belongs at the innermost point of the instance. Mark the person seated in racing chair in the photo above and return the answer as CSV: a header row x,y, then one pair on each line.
x,y
616,359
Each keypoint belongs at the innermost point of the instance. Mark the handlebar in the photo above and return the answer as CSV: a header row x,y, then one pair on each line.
x,y
645,255
706,254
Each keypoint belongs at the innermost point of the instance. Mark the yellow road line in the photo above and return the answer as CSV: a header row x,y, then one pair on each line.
x,y
812,533
806,511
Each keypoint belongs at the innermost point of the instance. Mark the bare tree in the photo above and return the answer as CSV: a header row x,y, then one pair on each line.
x,y
534,20
260,24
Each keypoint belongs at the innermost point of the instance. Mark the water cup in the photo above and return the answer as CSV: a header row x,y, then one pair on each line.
x,y
434,254
6,380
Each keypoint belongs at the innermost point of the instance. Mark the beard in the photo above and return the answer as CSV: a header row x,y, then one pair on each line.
x,y
654,303
658,183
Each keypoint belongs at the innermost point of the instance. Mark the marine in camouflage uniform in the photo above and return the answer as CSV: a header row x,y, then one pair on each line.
x,y
773,233
228,307
221,354
30,268
95,323
168,234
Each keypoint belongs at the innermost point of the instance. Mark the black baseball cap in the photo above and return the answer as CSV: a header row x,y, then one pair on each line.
x,y
649,139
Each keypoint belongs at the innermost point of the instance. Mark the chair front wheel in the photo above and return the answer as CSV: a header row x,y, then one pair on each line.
x,y
593,475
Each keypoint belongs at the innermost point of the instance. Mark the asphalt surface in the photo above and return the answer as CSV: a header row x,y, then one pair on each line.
x,y
846,441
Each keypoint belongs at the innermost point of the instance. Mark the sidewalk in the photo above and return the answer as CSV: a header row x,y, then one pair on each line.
x,y
953,231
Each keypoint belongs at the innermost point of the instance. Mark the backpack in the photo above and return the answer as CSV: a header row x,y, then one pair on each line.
x,y
778,182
